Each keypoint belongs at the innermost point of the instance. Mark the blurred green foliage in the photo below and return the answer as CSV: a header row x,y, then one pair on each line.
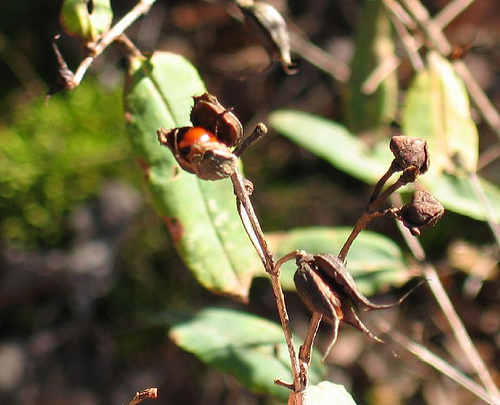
x,y
54,156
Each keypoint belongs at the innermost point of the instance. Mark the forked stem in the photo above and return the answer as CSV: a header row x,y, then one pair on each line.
x,y
256,235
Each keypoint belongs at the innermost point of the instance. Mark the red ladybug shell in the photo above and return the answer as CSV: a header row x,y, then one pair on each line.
x,y
187,137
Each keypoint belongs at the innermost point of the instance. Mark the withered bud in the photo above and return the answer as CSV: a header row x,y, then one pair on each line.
x,y
325,285
422,212
209,113
266,22
315,292
65,78
410,153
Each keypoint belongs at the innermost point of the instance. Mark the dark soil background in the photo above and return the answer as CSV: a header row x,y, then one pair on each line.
x,y
71,310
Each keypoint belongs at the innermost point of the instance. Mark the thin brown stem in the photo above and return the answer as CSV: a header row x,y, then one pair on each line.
x,y
319,58
439,364
401,20
306,348
448,310
256,235
431,29
380,184
150,393
451,11
360,225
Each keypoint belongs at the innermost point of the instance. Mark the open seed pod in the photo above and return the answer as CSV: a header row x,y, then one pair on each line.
x,y
208,113
198,151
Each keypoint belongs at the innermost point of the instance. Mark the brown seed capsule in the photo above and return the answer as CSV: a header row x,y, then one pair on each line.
x,y
410,152
325,286
208,113
268,24
198,151
422,212
205,148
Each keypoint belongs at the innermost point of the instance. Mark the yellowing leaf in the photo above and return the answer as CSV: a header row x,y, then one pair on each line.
x,y
437,109
201,215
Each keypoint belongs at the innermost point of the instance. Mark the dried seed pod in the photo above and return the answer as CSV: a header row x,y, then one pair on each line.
x,y
316,293
208,113
198,151
317,285
422,212
333,267
410,152
205,148
268,24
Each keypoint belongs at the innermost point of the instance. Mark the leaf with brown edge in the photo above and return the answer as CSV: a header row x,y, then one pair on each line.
x,y
201,215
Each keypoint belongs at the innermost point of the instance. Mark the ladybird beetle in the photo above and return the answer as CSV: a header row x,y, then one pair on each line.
x,y
198,151
187,137
206,148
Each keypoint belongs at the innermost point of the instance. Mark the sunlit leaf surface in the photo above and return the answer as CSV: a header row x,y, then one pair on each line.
x,y
201,215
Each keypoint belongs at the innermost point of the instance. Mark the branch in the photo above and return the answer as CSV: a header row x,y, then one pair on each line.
x,y
256,235
449,312
118,29
440,365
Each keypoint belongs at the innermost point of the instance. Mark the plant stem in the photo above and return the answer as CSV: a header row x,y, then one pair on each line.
x,y
376,199
433,32
439,364
256,235
449,312
306,348
150,393
118,29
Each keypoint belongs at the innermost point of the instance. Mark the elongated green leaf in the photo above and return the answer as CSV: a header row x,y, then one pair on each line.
x,y
348,153
101,17
334,143
373,86
374,260
249,347
457,194
75,19
437,109
327,393
201,215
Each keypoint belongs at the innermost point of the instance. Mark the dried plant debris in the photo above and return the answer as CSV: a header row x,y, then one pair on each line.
x,y
269,26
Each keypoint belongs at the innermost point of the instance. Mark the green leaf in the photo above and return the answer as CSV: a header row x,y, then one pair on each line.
x,y
334,143
348,153
437,109
374,260
249,347
457,194
101,17
201,215
77,20
374,58
326,393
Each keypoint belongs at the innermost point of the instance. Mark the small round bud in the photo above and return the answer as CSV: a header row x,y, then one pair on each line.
x,y
422,212
410,152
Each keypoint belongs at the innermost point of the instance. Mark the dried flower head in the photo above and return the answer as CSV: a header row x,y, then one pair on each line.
x,y
422,212
266,22
410,153
205,148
